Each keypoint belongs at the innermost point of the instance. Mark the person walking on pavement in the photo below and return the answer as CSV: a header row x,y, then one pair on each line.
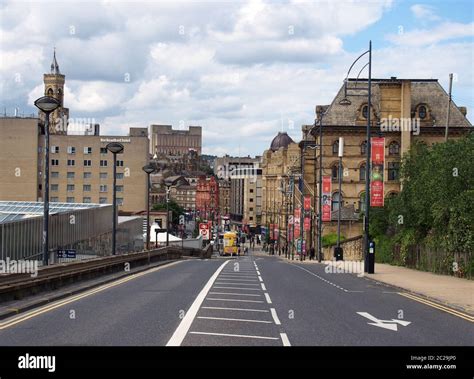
x,y
311,253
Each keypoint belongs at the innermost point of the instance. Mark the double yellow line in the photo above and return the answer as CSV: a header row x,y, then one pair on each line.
x,y
49,307
438,306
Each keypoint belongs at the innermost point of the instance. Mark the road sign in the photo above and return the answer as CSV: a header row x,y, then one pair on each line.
x,y
66,253
386,324
204,230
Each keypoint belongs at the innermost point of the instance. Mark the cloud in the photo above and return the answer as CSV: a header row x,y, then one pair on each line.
x,y
424,12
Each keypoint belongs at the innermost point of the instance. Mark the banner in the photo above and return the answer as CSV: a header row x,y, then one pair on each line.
x,y
376,175
307,224
307,203
297,221
326,203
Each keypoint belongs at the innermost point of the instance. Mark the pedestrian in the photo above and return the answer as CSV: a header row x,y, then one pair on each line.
x,y
238,251
311,253
246,250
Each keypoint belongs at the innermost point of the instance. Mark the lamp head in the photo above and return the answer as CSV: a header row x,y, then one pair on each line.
x,y
47,104
115,147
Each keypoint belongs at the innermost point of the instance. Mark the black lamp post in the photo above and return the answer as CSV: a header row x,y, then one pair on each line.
x,y
115,148
168,184
149,169
46,104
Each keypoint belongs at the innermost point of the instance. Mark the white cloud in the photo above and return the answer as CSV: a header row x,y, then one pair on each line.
x,y
424,12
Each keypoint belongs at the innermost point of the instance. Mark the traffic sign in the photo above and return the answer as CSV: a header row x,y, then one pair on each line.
x,y
204,230
66,253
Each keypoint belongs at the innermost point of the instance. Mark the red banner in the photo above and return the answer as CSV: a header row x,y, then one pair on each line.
x,y
377,167
297,221
307,203
326,203
307,224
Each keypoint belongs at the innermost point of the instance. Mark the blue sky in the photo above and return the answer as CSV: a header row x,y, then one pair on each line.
x,y
242,70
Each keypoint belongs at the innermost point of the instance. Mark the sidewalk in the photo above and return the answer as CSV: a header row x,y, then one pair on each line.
x,y
443,289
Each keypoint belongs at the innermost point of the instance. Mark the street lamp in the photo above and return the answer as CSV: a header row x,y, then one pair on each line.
x,y
46,104
168,184
338,250
148,169
115,148
345,101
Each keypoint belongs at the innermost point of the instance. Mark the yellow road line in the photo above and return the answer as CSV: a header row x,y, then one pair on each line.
x,y
438,306
60,303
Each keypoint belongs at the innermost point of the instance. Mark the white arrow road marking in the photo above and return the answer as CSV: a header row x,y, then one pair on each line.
x,y
386,324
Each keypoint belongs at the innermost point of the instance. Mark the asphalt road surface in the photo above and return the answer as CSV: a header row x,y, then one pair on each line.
x,y
255,300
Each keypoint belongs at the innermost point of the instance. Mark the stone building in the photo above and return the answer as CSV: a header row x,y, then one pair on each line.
x,y
165,140
207,197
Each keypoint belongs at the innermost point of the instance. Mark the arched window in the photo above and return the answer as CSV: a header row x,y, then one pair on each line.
x,y
365,111
50,92
394,148
335,147
422,112
362,202
362,172
336,201
363,148
335,171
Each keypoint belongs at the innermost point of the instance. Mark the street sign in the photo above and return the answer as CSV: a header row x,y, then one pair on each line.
x,y
204,230
66,253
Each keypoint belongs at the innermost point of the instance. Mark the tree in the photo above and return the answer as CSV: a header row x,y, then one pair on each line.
x,y
173,207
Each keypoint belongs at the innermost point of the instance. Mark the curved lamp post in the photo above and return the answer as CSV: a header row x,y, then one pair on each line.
x,y
148,169
115,148
46,104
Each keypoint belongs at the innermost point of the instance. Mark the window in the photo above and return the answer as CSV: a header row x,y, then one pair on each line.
x,y
87,150
87,162
86,199
103,188
53,199
362,172
336,200
362,202
251,199
394,148
393,170
70,200
87,175
365,111
103,150
251,190
363,148
71,162
119,163
119,201
422,112
54,187
54,149
86,187
335,148
119,188
71,175
103,163
103,175
251,209
71,150
70,187
54,162
119,175
335,171
54,174
102,200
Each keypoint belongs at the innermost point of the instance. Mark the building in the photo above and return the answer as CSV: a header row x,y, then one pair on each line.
x,y
81,168
165,140
224,166
280,170
224,197
207,197
184,194
246,198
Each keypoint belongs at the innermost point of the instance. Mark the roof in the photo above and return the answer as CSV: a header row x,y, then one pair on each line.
x,y
282,139
18,210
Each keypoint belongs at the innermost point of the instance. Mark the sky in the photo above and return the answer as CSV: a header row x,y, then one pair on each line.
x,y
243,70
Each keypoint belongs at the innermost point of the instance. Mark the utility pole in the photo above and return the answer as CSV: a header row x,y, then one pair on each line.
x,y
449,106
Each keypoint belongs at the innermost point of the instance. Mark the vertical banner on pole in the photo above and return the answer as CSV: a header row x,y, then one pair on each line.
x,y
326,211
307,203
290,230
377,169
297,221
307,224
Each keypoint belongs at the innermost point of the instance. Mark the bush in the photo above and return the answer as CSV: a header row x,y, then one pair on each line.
x,y
331,239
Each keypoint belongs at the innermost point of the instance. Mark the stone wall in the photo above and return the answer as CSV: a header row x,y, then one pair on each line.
x,y
352,250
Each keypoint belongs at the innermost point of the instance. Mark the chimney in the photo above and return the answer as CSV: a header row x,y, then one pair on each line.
x,y
463,111
96,129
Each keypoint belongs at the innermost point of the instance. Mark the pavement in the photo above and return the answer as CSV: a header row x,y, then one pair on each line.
x,y
446,290
253,300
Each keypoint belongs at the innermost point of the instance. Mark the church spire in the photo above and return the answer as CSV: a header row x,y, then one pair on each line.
x,y
54,64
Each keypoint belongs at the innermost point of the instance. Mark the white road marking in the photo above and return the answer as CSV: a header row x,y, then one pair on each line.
x,y
263,287
284,339
275,316
243,301
320,277
258,272
230,293
236,276
238,288
238,284
240,280
235,335
234,319
237,309
269,301
260,278
386,324
183,327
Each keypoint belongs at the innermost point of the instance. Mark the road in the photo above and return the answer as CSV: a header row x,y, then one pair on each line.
x,y
256,300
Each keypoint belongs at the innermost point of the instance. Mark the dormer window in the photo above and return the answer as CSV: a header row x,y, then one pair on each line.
x,y
365,111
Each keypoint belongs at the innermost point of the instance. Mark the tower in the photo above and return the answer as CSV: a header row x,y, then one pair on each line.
x,y
54,87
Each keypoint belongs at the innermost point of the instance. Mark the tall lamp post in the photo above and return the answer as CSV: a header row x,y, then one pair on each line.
x,y
115,148
168,185
346,101
338,250
46,104
148,169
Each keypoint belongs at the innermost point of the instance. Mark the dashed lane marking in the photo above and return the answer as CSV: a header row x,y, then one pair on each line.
x,y
237,309
235,335
234,319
